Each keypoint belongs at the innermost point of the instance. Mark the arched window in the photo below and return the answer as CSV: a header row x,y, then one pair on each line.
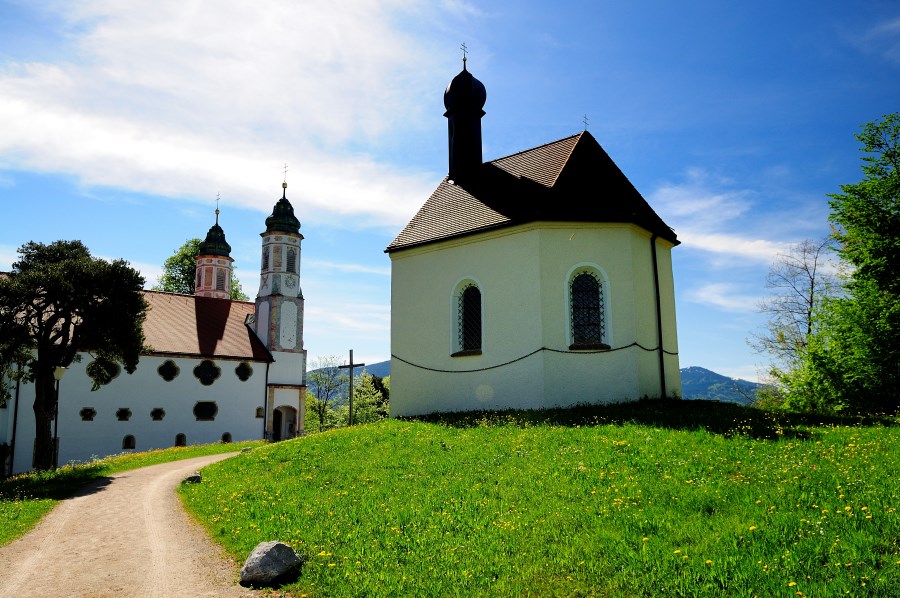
x,y
128,442
220,280
469,320
180,440
265,265
588,311
292,260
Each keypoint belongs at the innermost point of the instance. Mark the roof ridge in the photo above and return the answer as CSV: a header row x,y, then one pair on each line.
x,y
531,149
571,151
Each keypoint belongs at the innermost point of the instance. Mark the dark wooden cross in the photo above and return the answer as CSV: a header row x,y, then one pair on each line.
x,y
350,366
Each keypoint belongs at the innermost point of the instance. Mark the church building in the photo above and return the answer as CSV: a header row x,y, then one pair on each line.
x,y
214,369
539,279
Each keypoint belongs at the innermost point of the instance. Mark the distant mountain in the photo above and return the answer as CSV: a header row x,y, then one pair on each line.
x,y
700,383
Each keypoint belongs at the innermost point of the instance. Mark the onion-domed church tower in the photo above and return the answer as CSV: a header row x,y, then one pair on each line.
x,y
214,265
278,320
464,99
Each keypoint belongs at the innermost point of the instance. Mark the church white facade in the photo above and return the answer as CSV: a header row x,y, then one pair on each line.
x,y
215,369
535,280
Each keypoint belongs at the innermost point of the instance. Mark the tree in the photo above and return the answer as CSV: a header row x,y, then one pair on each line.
x,y
325,383
57,301
180,272
370,400
851,361
800,280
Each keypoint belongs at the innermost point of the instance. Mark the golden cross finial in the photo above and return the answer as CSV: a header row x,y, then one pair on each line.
x,y
585,121
285,172
218,196
465,50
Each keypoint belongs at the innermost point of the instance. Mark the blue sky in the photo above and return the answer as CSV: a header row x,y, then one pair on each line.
x,y
120,122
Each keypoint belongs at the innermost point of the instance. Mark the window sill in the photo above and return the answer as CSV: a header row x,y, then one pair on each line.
x,y
589,347
466,353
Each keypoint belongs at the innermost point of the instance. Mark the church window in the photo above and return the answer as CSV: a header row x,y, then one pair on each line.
x,y
207,372
587,311
168,370
469,321
226,437
106,370
180,440
128,443
292,260
157,414
243,371
260,412
276,258
205,411
123,414
220,279
265,265
88,414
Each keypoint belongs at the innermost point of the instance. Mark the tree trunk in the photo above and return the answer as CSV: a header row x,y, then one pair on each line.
x,y
44,411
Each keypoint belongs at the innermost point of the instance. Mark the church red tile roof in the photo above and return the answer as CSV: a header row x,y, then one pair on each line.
x,y
570,180
201,327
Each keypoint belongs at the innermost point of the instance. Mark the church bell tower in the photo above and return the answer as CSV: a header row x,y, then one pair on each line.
x,y
213,276
279,303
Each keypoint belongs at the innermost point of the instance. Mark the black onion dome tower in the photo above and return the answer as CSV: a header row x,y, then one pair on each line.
x,y
214,262
279,302
464,100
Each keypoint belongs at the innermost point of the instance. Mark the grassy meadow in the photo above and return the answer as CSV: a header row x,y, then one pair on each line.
x,y
24,499
672,498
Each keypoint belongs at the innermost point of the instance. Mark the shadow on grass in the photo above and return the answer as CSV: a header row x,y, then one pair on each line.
x,y
56,485
728,419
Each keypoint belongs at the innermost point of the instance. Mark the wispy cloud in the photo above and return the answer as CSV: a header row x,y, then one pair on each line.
x,y
710,215
162,98
344,267
725,296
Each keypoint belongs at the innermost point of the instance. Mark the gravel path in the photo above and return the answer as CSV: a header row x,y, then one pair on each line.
x,y
124,536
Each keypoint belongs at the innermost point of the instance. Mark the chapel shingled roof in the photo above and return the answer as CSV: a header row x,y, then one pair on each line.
x,y
570,180
201,327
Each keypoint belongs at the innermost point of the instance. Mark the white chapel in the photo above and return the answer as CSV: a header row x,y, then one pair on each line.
x,y
215,369
535,280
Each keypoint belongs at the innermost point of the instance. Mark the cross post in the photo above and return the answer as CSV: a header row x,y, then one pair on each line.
x,y
350,366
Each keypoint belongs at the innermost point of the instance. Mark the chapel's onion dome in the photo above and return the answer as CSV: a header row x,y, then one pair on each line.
x,y
215,243
282,218
465,93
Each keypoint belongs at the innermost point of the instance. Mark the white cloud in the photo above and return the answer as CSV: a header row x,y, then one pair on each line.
x,y
344,267
724,296
705,211
165,98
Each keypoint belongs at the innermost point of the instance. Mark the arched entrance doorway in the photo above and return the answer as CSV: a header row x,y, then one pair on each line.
x,y
284,423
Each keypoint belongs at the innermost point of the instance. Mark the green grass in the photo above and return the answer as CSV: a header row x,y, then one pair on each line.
x,y
654,499
25,499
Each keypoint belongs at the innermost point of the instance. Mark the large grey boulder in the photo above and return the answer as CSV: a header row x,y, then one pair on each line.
x,y
271,563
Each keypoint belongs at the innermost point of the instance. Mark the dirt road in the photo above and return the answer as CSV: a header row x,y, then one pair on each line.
x,y
124,536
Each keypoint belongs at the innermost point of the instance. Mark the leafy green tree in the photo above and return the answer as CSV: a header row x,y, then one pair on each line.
x,y
370,400
852,360
59,300
180,272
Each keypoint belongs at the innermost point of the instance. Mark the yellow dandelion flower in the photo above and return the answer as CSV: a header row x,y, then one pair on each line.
x,y
646,539
792,584
708,562
752,528
679,552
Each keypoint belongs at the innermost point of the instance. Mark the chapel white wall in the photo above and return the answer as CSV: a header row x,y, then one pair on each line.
x,y
523,276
